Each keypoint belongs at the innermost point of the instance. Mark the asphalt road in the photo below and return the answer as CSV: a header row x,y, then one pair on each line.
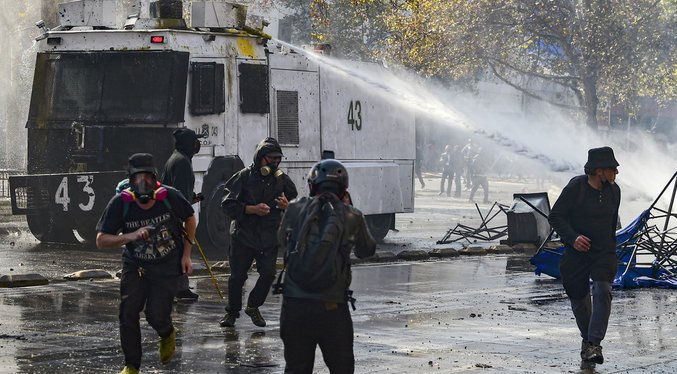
x,y
467,314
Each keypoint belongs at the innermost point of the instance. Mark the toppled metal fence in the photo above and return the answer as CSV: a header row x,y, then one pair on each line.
x,y
482,232
646,249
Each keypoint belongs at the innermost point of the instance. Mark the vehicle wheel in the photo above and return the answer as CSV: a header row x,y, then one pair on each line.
x,y
47,229
379,225
87,230
214,228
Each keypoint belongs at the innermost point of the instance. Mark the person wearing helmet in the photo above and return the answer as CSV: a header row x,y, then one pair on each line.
x,y
314,315
255,198
178,173
156,224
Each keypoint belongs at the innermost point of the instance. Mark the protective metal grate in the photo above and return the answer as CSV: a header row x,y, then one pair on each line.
x,y
4,181
288,117
254,88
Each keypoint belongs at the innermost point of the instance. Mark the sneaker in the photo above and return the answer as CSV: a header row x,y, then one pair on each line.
x,y
256,316
228,320
187,295
129,370
593,353
167,347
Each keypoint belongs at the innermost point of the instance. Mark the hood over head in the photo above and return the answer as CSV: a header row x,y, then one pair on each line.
x,y
268,146
185,141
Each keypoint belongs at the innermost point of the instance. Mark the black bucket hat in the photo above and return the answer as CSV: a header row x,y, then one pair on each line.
x,y
141,163
602,157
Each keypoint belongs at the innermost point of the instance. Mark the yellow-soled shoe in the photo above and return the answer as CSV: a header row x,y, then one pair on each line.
x,y
129,370
167,347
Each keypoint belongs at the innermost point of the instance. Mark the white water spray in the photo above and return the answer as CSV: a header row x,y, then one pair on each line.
x,y
549,138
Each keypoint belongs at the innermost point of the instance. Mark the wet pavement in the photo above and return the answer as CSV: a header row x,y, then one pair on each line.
x,y
470,314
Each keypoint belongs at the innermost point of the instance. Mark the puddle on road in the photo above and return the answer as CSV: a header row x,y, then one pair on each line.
x,y
519,264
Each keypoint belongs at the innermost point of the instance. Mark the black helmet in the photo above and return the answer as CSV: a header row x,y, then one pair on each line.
x,y
328,170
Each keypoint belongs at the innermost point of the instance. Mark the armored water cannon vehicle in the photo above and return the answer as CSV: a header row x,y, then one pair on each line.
x,y
105,88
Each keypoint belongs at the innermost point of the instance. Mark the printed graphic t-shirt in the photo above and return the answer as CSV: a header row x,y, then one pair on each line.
x,y
162,251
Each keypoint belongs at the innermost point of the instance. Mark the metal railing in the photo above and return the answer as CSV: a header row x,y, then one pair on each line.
x,y
4,181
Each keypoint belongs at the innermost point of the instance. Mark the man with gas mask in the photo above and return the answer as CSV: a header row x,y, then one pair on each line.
x,y
155,224
319,232
178,173
585,217
255,198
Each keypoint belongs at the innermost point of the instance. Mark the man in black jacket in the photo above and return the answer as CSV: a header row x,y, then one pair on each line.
x,y
312,315
255,198
178,173
585,216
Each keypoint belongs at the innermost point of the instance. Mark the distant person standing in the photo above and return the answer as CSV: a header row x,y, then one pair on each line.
x,y
585,217
478,172
178,173
457,169
447,171
468,153
417,165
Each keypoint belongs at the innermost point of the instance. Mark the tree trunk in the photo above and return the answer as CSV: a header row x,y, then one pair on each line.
x,y
591,100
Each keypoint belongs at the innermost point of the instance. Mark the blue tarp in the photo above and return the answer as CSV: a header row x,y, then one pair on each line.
x,y
547,260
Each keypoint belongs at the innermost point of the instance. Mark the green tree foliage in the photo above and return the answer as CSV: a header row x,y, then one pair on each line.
x,y
598,49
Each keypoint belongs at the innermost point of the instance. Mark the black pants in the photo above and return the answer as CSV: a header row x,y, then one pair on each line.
x,y
154,292
305,324
240,260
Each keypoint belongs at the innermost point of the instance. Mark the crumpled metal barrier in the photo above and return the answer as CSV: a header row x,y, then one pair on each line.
x,y
646,249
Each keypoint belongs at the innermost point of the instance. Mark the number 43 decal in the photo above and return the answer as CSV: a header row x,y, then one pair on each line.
x,y
61,195
355,115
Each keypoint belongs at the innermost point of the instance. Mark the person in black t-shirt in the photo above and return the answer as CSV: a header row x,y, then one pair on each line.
x,y
585,217
156,224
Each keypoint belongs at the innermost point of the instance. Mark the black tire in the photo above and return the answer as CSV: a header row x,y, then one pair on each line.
x,y
379,225
213,231
214,227
48,229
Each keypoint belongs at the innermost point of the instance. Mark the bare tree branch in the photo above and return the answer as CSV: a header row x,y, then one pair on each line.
x,y
531,94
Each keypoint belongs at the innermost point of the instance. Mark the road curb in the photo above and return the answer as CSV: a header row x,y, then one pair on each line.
x,y
413,254
473,251
22,280
443,252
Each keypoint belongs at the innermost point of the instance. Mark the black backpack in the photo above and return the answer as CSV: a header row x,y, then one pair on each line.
x,y
314,260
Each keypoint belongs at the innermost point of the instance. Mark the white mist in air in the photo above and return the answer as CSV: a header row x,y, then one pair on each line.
x,y
546,140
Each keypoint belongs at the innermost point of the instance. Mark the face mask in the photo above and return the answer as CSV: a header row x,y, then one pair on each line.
x,y
143,190
271,168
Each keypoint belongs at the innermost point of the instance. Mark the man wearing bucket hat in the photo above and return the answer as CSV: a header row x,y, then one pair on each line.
x,y
255,198
149,220
585,217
